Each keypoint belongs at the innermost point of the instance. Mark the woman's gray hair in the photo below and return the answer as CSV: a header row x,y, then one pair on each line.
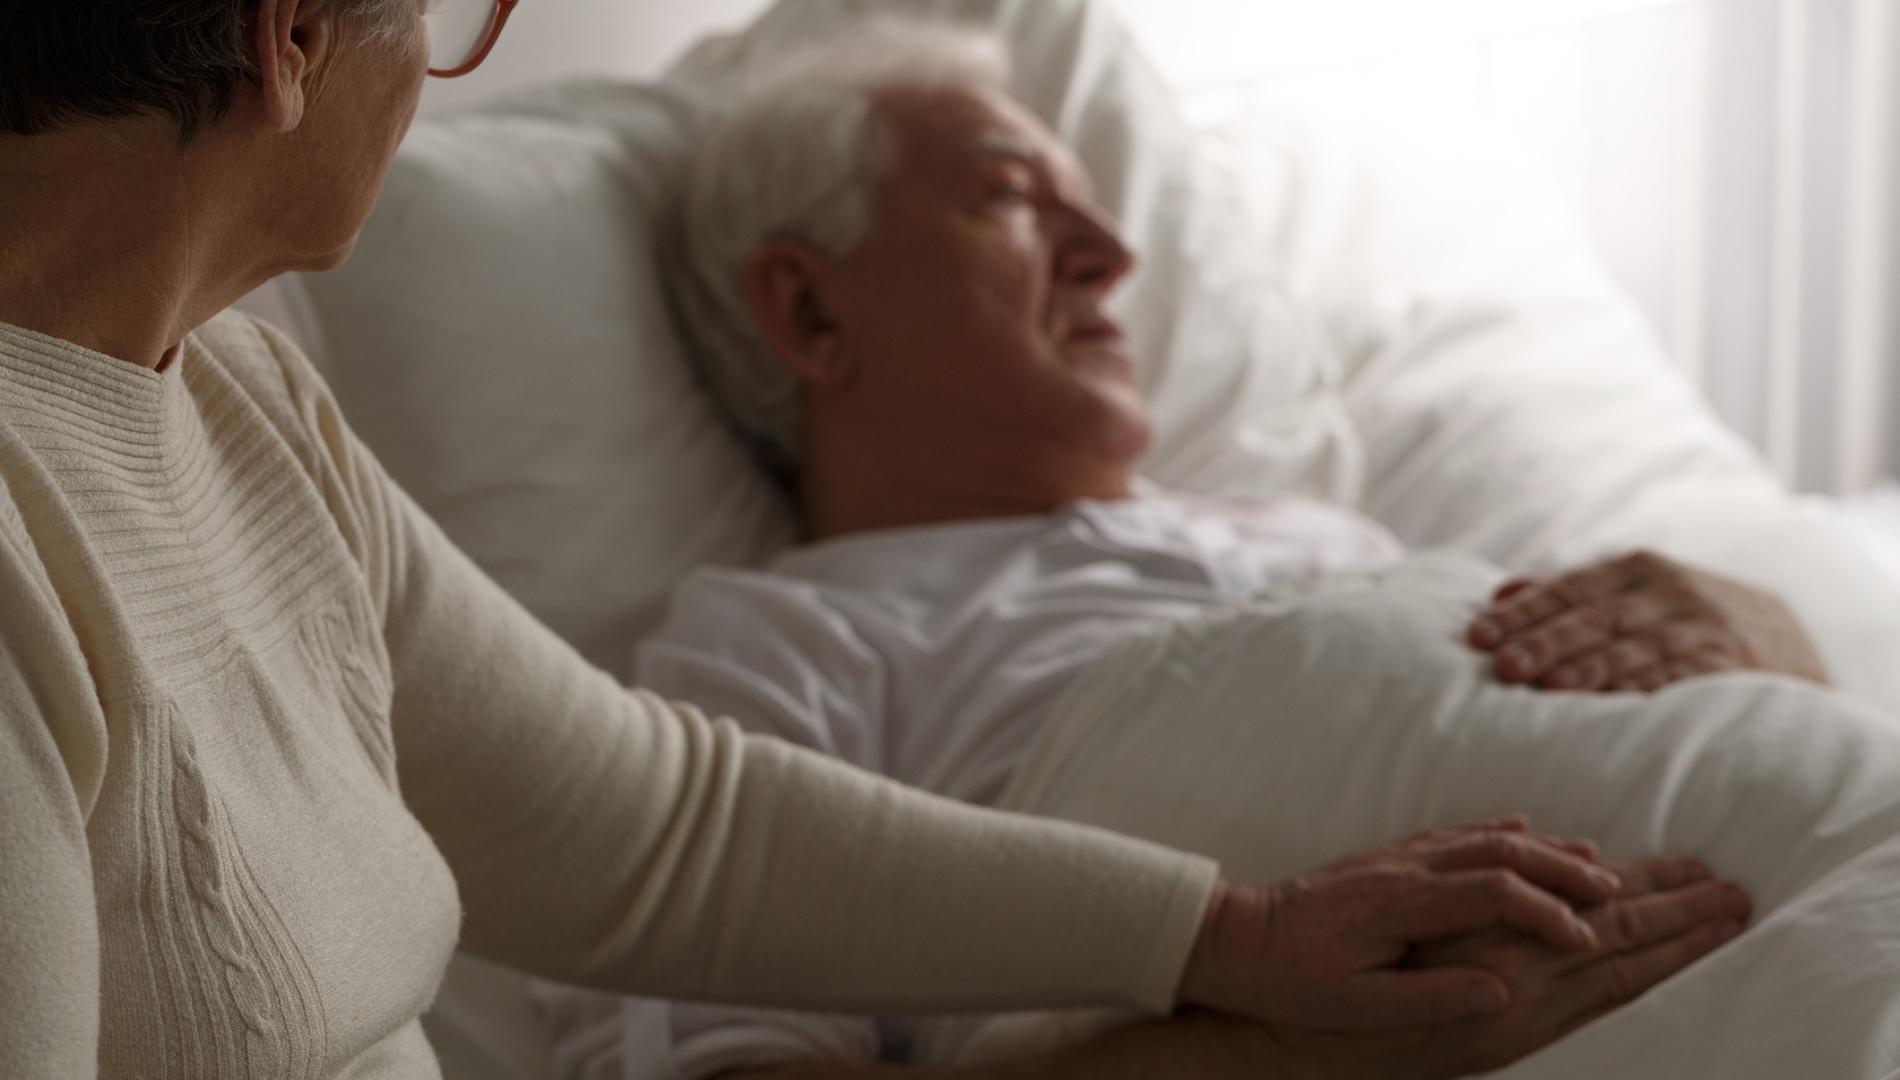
x,y
68,61
797,156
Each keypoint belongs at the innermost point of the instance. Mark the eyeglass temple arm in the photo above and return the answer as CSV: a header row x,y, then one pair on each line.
x,y
503,9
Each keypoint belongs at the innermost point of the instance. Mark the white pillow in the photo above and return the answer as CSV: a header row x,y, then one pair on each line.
x,y
501,340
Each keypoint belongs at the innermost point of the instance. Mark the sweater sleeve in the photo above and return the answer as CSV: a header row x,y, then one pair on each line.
x,y
603,836
51,750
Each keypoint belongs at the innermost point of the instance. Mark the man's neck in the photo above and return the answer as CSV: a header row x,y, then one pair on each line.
x,y
860,488
107,240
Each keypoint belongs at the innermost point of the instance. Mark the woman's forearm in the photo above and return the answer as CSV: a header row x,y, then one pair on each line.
x,y
668,821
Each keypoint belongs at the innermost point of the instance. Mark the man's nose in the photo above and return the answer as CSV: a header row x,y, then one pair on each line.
x,y
1094,254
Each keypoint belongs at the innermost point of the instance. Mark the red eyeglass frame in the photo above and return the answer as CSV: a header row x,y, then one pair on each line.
x,y
498,18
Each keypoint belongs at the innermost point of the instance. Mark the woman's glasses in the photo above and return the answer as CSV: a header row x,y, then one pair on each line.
x,y
461,33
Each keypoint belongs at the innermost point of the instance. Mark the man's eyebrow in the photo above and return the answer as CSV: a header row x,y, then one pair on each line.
x,y
1003,145
998,144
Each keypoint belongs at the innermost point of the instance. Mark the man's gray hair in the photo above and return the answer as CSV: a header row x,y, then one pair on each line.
x,y
67,61
798,156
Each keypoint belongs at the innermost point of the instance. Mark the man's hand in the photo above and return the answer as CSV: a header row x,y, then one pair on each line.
x,y
1639,623
1671,914
1325,951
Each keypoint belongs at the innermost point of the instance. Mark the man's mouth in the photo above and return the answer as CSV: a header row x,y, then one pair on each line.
x,y
1096,330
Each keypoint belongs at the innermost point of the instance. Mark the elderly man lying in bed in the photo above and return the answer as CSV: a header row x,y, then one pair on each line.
x,y
901,288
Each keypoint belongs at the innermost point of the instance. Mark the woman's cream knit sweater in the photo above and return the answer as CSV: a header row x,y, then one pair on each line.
x,y
270,746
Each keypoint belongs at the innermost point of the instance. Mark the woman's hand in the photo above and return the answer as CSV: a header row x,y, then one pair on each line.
x,y
1639,623
1325,950
1671,913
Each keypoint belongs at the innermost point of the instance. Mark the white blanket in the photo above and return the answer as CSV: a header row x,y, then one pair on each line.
x,y
1278,737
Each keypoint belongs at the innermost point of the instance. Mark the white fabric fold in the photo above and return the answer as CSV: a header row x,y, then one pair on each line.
x,y
1277,736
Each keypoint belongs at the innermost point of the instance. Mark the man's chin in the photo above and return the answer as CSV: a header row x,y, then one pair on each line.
x,y
1127,431
1137,440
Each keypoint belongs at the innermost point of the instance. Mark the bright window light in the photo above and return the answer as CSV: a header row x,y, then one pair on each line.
x,y
1212,40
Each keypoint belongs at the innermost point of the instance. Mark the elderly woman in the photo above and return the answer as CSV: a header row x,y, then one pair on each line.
x,y
269,746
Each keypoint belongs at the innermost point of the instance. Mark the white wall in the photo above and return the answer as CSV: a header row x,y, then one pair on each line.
x,y
555,38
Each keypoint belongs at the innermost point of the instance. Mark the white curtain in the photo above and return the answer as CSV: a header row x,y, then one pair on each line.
x,y
1738,162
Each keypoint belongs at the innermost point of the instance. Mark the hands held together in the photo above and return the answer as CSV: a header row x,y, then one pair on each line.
x,y
1453,951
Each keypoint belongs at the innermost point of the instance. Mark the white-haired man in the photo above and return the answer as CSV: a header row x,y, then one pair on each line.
x,y
901,288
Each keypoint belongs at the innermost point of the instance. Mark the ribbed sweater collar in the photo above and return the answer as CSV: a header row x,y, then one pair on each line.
x,y
46,375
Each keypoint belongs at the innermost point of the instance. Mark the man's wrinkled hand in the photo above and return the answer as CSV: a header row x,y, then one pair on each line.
x,y
1671,913
1326,951
1640,622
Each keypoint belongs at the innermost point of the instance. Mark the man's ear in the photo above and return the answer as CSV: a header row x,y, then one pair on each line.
x,y
782,286
291,38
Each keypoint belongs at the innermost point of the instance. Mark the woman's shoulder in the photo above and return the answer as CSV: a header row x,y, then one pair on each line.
x,y
239,353
257,354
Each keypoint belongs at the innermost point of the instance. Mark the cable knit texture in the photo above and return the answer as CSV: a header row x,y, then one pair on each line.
x,y
264,733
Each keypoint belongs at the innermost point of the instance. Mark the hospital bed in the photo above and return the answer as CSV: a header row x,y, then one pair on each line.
x,y
1427,337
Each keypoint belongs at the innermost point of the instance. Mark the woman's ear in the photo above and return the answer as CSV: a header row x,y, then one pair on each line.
x,y
782,286
291,38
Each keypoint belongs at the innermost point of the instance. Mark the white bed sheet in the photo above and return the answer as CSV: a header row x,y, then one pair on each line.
x,y
1276,738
